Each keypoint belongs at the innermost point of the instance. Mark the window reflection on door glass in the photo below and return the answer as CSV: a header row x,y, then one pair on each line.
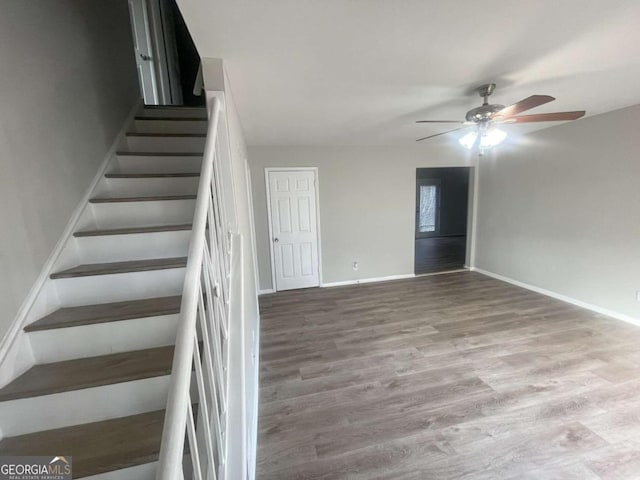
x,y
428,199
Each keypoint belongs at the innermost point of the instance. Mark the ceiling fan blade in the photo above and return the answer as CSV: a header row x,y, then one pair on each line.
x,y
545,117
440,121
442,133
527,104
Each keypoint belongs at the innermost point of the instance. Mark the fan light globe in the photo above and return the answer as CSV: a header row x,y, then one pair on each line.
x,y
491,138
468,140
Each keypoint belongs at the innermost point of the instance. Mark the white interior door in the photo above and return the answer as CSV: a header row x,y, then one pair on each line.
x,y
294,228
143,50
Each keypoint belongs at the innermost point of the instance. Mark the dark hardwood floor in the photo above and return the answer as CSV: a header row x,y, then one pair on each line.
x,y
454,376
440,254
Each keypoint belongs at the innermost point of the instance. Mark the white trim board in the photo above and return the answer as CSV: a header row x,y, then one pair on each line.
x,y
472,213
563,298
252,227
388,278
9,342
368,280
253,452
404,276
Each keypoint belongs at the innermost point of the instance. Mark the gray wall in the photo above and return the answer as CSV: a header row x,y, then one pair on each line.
x,y
68,82
563,211
367,204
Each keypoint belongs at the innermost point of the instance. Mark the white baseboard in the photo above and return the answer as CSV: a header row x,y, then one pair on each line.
x,y
559,296
446,272
402,276
9,341
368,280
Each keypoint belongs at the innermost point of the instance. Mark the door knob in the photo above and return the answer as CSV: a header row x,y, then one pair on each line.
x,y
145,57
276,240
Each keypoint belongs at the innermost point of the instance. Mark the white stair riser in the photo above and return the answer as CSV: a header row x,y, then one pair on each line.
x,y
111,248
174,112
139,246
130,214
27,415
82,341
119,287
170,126
146,471
140,187
150,164
165,144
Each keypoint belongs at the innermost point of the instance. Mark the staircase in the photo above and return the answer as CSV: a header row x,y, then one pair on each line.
x,y
103,346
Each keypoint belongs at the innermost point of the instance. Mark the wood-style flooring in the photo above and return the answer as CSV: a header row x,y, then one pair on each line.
x,y
439,254
454,376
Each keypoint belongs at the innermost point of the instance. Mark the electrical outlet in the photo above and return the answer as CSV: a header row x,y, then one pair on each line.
x,y
638,296
355,266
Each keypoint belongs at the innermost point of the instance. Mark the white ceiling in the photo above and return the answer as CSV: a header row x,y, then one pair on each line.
x,y
360,72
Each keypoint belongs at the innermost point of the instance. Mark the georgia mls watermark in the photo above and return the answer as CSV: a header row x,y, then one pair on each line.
x,y
57,467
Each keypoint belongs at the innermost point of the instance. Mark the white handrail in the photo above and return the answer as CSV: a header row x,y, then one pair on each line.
x,y
203,327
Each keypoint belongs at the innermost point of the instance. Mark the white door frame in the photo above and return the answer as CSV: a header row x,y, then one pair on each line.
x,y
317,189
142,24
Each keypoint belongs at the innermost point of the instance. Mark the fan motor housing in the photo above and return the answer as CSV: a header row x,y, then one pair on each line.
x,y
483,113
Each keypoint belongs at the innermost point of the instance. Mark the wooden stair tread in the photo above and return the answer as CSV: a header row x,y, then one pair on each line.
x,y
174,107
107,312
132,230
154,198
170,135
171,119
91,269
78,374
159,154
152,175
97,447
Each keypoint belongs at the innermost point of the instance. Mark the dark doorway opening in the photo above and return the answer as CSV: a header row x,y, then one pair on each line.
x,y
442,202
188,58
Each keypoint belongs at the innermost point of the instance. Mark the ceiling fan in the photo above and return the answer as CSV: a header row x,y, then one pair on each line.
x,y
486,116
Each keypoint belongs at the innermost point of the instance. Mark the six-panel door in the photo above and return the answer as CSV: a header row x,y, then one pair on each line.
x,y
294,228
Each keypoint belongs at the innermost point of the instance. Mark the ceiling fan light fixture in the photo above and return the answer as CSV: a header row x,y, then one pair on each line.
x,y
487,115
489,139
